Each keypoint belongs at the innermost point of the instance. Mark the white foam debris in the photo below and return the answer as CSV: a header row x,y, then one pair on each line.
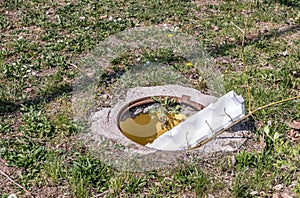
x,y
202,125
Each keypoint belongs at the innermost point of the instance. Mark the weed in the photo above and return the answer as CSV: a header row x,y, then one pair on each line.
x,y
135,184
194,178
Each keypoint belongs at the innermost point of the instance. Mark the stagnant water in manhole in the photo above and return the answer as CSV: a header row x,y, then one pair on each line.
x,y
146,119
146,127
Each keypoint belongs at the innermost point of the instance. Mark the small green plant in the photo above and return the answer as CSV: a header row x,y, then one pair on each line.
x,y
297,188
168,108
135,184
194,178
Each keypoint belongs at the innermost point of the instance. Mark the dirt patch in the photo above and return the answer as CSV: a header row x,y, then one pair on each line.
x,y
207,2
53,191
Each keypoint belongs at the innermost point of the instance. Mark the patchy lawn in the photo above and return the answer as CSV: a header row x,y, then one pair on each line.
x,y
41,43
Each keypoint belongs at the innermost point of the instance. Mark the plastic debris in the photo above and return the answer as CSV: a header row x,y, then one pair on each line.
x,y
12,196
202,125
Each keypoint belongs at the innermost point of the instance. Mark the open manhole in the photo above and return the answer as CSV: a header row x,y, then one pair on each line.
x,y
121,147
145,119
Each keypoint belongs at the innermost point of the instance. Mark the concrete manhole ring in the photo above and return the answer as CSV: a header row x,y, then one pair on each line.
x,y
107,141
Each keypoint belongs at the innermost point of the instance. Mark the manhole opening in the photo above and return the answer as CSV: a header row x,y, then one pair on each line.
x,y
145,119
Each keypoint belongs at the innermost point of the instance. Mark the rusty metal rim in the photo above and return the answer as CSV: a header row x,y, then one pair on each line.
x,y
148,100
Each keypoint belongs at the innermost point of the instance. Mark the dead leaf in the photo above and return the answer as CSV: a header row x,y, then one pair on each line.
x,y
278,187
103,17
233,160
215,28
210,196
285,195
28,89
254,192
295,124
276,195
293,135
262,141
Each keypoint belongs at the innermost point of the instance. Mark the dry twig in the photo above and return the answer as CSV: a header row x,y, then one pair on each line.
x,y
17,184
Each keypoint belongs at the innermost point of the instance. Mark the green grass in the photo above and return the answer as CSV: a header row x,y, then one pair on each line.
x,y
41,40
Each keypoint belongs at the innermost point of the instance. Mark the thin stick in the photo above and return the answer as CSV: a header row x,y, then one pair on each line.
x,y
237,27
73,65
246,72
244,32
10,179
274,103
243,118
246,69
102,194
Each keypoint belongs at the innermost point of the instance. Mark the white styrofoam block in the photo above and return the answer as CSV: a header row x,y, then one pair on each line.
x,y
203,124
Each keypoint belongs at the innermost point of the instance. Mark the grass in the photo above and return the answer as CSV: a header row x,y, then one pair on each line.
x,y
41,41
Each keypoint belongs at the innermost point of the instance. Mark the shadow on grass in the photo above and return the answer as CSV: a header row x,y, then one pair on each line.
x,y
250,39
290,3
9,107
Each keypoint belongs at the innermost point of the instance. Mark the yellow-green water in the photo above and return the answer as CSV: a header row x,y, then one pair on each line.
x,y
145,128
